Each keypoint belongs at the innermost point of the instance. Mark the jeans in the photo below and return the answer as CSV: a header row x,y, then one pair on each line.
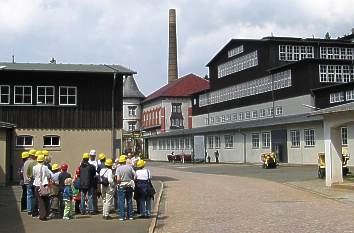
x,y
145,206
125,193
89,192
30,196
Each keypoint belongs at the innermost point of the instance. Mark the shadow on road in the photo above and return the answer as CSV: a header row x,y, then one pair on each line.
x,y
164,178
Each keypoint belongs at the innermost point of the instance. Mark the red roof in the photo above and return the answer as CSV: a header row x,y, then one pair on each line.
x,y
182,87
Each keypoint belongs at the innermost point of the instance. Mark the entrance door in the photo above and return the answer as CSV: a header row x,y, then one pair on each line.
x,y
279,145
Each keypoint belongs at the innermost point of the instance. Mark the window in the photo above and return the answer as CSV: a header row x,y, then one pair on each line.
x,y
177,144
240,116
24,141
295,53
248,115
229,141
336,73
187,143
23,95
235,51
336,53
210,142
168,142
279,111
217,142
163,144
51,141
176,116
4,94
336,97
235,116
154,144
176,122
255,141
265,139
131,125
172,144
350,95
176,108
270,111
238,64
67,95
45,95
262,113
160,144
295,138
344,136
309,135
181,143
132,110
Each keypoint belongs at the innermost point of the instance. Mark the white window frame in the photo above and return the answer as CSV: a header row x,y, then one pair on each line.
x,y
255,140
278,110
336,97
51,140
24,140
229,141
8,95
349,95
266,139
22,94
344,136
45,95
309,137
210,142
60,95
295,138
217,142
132,110
131,124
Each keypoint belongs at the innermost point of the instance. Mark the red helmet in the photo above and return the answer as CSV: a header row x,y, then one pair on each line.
x,y
77,172
64,167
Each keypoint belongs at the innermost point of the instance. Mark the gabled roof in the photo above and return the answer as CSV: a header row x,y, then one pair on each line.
x,y
130,89
86,68
182,87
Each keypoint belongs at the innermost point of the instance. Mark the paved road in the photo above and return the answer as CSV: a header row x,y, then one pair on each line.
x,y
246,199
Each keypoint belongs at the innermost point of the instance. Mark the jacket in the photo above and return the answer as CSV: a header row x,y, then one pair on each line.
x,y
87,175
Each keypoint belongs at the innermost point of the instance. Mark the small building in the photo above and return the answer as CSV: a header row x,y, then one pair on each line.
x,y
66,109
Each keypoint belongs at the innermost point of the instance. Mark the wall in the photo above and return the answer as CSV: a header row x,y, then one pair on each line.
x,y
3,156
126,118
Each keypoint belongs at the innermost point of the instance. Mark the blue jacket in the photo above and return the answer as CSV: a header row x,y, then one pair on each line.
x,y
68,193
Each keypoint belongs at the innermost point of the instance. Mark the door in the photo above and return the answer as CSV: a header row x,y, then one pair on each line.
x,y
279,146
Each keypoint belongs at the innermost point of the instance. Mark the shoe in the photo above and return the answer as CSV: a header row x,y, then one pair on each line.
x,y
83,213
37,216
131,218
66,218
43,219
29,213
121,219
107,217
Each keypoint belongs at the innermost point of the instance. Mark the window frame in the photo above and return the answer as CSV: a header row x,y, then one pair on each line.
x,y
8,95
311,139
217,141
210,142
228,141
60,87
45,95
51,139
23,95
295,138
24,136
132,111
266,139
344,139
255,140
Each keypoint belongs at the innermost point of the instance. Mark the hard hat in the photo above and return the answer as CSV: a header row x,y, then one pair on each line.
x,y
140,163
32,152
92,152
55,167
40,157
45,152
122,159
85,156
38,153
101,156
64,167
24,155
77,171
108,162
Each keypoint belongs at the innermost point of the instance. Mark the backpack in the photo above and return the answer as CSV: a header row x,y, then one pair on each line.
x,y
103,180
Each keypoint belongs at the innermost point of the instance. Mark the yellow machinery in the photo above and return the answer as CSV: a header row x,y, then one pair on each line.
x,y
322,164
269,160
345,158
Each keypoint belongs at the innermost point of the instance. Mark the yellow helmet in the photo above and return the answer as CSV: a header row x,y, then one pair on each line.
x,y
85,156
140,163
109,162
122,159
40,157
32,152
101,156
24,155
45,152
38,153
55,167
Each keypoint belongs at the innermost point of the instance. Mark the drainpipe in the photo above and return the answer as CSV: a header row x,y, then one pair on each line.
x,y
244,146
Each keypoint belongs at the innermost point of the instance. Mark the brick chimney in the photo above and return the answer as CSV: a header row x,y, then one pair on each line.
x,y
172,47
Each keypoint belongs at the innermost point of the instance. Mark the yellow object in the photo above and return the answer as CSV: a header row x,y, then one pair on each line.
x,y
122,159
344,150
32,152
109,162
45,152
101,156
55,166
40,157
140,163
321,160
85,156
38,153
24,155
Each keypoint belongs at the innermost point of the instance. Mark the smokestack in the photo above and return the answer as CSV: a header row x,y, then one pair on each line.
x,y
172,47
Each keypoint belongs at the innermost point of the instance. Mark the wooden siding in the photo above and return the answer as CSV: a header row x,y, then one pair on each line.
x,y
93,109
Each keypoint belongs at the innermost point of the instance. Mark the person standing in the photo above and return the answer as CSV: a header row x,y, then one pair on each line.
x,y
87,183
125,179
216,154
68,199
107,188
24,157
76,190
41,175
143,177
95,192
64,174
54,195
101,162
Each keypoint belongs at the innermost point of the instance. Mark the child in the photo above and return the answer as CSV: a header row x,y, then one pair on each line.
x,y
76,190
68,198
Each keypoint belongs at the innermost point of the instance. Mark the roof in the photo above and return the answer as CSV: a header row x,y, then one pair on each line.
x,y
334,109
182,87
130,89
6,125
87,68
243,125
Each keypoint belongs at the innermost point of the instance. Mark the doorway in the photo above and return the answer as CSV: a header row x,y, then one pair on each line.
x,y
279,144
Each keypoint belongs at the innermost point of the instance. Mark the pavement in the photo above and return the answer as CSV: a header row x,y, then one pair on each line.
x,y
14,221
246,198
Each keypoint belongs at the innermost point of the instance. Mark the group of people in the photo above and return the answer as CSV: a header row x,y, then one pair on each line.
x,y
49,190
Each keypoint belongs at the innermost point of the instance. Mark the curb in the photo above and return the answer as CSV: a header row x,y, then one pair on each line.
x,y
156,210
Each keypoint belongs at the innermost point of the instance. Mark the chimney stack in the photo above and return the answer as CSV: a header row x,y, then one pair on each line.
x,y
172,47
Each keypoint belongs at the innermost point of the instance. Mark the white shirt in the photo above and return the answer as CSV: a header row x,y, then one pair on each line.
x,y
106,172
94,163
143,174
46,174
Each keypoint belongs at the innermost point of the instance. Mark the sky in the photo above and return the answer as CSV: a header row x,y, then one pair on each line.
x,y
135,33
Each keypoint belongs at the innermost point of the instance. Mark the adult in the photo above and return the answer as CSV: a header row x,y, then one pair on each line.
x,y
142,188
107,189
47,159
32,205
216,154
95,191
125,179
101,162
64,174
54,195
41,175
87,184
135,159
24,156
